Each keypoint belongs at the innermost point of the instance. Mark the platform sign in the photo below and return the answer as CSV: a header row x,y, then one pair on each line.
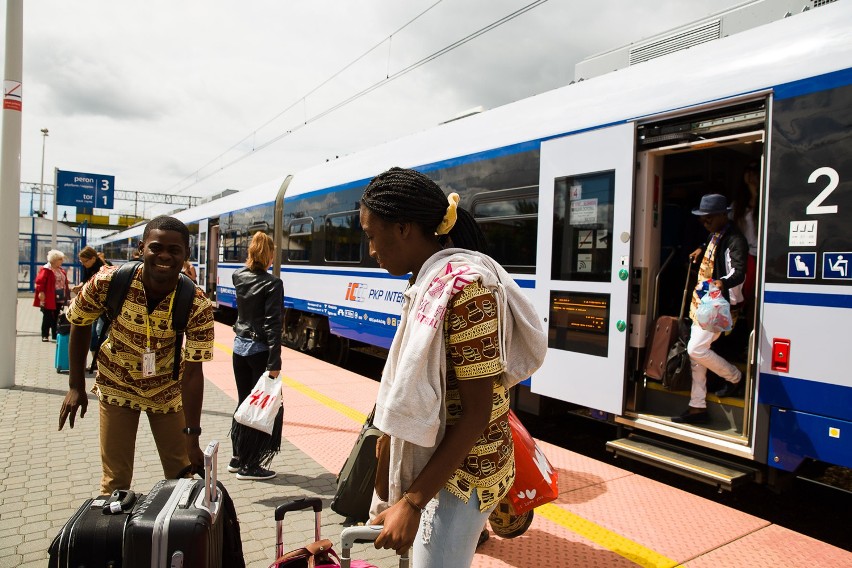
x,y
84,190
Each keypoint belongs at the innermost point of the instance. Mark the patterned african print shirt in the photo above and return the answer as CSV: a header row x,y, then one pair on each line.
x,y
120,381
470,332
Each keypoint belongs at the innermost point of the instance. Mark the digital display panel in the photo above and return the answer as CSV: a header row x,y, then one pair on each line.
x,y
579,321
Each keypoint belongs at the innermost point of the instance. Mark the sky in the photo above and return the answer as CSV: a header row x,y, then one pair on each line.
x,y
193,97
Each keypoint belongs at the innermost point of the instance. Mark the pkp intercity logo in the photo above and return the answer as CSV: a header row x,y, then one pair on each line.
x,y
356,292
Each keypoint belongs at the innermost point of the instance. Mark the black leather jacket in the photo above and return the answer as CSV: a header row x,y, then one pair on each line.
x,y
260,298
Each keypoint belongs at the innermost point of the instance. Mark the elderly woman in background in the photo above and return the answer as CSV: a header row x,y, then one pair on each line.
x,y
51,292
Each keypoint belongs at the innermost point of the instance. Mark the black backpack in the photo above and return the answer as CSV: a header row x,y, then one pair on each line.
x,y
184,297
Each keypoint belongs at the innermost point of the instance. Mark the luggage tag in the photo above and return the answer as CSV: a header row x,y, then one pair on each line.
x,y
149,363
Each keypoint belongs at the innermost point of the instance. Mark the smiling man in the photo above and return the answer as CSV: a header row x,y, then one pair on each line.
x,y
135,363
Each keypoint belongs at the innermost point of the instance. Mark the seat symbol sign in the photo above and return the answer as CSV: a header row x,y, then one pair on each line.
x,y
801,265
835,265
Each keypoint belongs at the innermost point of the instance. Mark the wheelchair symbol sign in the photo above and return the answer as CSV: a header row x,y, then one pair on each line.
x,y
835,265
801,265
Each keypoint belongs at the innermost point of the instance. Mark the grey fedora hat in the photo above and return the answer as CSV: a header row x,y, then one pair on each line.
x,y
712,204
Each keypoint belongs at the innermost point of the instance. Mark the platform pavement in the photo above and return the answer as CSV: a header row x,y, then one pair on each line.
x,y
46,474
604,516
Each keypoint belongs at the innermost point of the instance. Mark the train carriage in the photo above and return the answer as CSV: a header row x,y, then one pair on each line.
x,y
585,194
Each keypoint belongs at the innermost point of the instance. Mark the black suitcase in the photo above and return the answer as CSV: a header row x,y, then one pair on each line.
x,y
356,479
94,535
178,524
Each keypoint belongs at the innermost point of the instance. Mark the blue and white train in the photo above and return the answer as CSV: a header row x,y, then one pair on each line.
x,y
585,194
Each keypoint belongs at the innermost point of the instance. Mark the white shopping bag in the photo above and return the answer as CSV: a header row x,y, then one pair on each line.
x,y
259,409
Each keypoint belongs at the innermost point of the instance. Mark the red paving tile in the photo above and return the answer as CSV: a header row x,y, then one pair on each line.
x,y
772,547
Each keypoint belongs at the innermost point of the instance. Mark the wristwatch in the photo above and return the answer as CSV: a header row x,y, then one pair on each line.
x,y
192,430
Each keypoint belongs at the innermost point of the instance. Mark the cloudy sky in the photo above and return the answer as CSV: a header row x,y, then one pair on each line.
x,y
178,97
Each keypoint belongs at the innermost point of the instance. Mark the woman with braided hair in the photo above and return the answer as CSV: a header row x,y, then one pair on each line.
x,y
444,394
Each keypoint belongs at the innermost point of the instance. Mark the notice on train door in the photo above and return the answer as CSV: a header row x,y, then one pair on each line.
x,y
584,212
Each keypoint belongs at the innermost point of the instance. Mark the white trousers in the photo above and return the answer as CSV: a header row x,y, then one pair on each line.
x,y
702,358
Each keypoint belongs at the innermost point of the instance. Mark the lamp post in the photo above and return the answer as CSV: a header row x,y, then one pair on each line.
x,y
41,192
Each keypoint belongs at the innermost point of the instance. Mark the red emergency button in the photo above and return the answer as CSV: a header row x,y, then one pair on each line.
x,y
780,355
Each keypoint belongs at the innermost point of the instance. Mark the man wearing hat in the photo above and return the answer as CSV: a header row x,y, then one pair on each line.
x,y
723,261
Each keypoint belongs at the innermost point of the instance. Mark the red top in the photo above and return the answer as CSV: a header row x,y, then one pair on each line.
x,y
46,282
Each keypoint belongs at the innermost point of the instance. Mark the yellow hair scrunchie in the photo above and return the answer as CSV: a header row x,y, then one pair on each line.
x,y
450,216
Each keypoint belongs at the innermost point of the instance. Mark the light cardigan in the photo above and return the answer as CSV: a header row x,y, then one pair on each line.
x,y
410,405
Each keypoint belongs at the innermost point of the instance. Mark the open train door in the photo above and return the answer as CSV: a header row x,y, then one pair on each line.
x,y
583,265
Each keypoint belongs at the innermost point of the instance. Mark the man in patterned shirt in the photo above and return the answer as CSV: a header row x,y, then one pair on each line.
x,y
135,363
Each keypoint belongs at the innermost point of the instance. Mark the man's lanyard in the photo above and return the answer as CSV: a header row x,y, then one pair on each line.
x,y
148,316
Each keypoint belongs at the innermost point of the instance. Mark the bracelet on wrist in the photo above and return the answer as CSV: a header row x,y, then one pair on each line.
x,y
192,430
411,502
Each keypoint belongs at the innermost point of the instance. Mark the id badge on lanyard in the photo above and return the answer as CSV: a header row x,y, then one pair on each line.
x,y
149,363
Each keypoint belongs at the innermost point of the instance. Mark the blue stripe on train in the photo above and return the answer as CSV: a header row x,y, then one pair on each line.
x,y
806,396
809,299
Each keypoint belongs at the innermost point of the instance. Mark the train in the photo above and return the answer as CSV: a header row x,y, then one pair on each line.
x,y
585,194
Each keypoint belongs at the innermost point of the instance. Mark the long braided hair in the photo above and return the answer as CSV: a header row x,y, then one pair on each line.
x,y
408,196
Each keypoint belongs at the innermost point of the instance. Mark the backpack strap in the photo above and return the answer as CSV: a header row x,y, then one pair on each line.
x,y
118,288
184,297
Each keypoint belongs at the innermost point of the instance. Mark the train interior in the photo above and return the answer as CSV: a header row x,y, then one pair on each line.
x,y
680,160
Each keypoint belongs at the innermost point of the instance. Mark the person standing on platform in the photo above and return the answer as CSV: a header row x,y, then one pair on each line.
x,y
135,367
257,349
92,264
51,292
723,261
444,396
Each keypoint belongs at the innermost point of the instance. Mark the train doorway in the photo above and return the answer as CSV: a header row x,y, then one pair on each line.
x,y
679,161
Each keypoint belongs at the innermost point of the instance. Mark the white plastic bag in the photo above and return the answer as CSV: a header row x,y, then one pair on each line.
x,y
259,409
714,312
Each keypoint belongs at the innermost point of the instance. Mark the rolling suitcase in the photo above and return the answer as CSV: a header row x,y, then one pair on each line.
x,y
666,333
63,331
663,336
178,524
357,477
94,535
319,553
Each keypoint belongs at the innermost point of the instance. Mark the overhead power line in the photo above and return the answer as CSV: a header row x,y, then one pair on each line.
x,y
301,99
390,77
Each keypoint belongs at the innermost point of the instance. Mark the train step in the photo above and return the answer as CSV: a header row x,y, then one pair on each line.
x,y
721,473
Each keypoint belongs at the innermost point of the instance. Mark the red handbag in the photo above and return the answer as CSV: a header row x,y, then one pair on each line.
x,y
536,481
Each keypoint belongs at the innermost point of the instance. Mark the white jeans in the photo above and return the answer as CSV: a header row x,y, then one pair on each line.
x,y
702,358
455,529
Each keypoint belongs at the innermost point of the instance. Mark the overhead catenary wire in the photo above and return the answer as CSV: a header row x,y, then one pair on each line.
x,y
303,98
351,98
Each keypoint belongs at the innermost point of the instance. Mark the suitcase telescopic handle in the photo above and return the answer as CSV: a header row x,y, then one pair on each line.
x,y
314,503
211,453
351,535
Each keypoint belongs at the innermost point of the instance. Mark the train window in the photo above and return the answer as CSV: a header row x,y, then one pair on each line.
x,y
234,246
511,228
343,237
299,243
582,227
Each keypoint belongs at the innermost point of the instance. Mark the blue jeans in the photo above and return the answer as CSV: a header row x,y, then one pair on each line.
x,y
456,526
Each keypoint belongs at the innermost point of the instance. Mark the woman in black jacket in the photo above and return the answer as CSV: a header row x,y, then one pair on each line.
x,y
92,263
257,348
